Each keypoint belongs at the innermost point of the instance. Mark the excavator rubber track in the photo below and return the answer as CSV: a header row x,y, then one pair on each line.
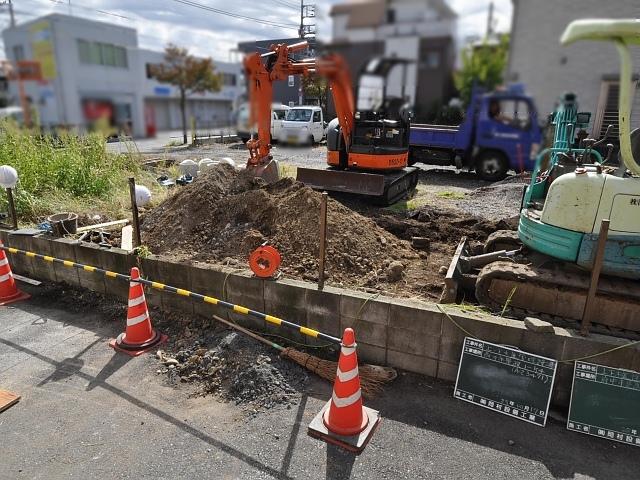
x,y
549,292
379,188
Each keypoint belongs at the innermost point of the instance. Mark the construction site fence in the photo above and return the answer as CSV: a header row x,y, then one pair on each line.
x,y
272,320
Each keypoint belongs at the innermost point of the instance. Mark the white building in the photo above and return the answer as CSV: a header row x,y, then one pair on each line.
x,y
590,69
421,31
92,69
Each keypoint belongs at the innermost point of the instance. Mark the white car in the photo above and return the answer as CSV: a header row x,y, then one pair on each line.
x,y
278,113
303,125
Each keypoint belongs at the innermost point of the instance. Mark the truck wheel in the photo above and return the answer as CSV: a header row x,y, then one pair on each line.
x,y
492,166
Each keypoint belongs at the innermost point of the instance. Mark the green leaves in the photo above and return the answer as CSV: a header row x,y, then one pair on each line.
x,y
483,65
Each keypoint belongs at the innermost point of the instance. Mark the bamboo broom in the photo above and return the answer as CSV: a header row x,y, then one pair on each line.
x,y
372,377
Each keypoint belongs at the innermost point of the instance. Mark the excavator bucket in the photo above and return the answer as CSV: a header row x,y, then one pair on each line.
x,y
383,189
269,171
342,181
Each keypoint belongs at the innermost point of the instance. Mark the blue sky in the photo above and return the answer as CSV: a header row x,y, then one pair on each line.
x,y
209,34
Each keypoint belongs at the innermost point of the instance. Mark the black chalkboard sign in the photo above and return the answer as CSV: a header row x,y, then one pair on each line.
x,y
505,380
605,402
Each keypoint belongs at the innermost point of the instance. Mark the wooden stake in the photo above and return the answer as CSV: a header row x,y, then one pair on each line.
x,y
323,239
137,240
12,209
595,277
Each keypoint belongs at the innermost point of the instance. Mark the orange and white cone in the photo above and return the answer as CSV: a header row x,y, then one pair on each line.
x,y
344,420
139,336
9,292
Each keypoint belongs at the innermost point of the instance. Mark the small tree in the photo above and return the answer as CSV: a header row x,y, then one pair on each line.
x,y
188,73
315,86
483,65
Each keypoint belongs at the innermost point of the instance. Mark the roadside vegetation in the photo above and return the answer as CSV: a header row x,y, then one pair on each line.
x,y
67,173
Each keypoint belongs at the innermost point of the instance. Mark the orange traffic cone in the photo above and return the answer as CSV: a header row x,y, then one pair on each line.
x,y
9,292
344,421
139,336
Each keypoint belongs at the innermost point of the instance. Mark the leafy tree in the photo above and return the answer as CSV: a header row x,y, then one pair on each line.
x,y
315,86
483,65
188,73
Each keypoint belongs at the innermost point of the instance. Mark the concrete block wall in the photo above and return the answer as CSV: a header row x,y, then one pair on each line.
x,y
402,333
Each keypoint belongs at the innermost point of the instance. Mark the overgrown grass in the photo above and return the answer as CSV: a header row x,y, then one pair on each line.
x,y
66,173
450,195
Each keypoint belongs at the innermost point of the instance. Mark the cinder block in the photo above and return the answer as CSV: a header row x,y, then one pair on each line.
x,y
118,261
450,348
88,254
64,249
246,291
372,354
412,363
323,312
371,333
207,281
577,347
175,275
418,344
356,305
415,316
447,371
291,293
150,269
41,270
561,394
550,346
4,236
19,262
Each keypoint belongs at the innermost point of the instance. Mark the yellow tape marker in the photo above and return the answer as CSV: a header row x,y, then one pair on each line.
x,y
88,268
274,320
13,250
184,293
48,259
211,300
239,309
111,274
309,332
157,285
30,254
67,263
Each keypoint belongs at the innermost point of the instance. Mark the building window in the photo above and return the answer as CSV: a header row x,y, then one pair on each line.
x,y
229,80
18,53
607,110
432,60
292,80
391,16
95,53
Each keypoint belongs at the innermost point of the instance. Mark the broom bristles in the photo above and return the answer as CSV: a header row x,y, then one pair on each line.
x,y
372,377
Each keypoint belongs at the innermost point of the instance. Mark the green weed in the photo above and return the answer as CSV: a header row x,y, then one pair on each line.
x,y
450,195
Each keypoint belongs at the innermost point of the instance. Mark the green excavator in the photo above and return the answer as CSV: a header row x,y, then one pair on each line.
x,y
572,191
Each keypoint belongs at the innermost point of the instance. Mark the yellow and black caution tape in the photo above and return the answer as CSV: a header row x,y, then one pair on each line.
x,y
181,292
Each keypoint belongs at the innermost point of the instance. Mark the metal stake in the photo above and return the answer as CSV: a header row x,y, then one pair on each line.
x,y
137,240
323,239
595,277
12,209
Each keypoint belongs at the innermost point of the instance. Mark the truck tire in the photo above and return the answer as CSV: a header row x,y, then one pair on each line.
x,y
492,166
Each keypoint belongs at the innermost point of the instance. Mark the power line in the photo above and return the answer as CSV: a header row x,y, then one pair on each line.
x,y
286,4
236,15
104,12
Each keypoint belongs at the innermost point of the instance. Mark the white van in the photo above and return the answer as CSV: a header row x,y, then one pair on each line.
x,y
303,125
278,113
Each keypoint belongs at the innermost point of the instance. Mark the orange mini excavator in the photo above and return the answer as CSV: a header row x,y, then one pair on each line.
x,y
368,147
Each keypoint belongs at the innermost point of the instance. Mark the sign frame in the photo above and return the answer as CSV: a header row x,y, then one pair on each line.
x,y
604,437
508,414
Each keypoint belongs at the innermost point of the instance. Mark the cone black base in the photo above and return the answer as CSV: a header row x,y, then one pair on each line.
x,y
353,443
138,349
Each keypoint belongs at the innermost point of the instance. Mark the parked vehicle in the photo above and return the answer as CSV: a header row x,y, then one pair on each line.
x,y
243,127
500,132
303,125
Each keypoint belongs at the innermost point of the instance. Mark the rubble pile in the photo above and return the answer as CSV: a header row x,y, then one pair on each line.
x,y
235,368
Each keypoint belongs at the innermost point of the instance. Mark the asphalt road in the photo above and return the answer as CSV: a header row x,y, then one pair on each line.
x,y
87,412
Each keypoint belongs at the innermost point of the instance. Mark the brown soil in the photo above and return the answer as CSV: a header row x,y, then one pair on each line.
x,y
224,215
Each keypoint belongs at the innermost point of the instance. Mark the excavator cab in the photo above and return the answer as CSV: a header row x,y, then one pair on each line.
x,y
372,159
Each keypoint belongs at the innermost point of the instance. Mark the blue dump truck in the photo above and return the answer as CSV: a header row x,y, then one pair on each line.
x,y
500,132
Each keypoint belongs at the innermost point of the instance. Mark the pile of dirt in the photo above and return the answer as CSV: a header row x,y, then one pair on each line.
x,y
226,214
235,368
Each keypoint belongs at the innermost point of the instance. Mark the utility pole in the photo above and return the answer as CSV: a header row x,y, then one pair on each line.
x,y
307,12
490,22
13,18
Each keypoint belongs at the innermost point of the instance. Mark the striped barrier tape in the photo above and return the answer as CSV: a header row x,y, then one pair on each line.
x,y
180,292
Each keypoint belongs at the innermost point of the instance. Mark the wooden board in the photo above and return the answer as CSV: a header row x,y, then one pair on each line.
x,y
126,242
7,399
98,226
506,380
604,403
